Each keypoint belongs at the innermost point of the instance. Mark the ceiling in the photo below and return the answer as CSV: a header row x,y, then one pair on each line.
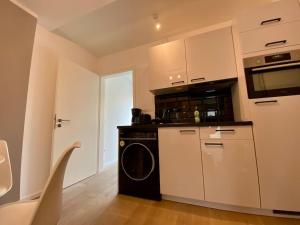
x,y
107,26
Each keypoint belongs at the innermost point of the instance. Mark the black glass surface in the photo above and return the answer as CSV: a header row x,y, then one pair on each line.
x,y
137,162
212,100
273,82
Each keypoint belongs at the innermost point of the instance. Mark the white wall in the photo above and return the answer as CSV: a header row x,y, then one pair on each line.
x,y
48,49
118,101
137,60
37,141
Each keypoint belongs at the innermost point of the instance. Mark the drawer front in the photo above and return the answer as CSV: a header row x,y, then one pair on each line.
x,y
226,132
230,172
276,13
272,37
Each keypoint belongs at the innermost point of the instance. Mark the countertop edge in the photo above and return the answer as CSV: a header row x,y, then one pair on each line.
x,y
204,124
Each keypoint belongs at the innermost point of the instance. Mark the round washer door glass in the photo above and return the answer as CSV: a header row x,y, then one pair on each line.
x,y
137,161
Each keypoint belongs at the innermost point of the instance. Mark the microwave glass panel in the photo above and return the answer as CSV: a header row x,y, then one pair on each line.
x,y
280,79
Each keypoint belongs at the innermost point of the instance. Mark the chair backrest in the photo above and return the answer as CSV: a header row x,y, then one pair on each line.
x,y
50,204
5,169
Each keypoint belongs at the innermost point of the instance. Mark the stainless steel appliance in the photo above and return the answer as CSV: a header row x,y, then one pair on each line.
x,y
273,75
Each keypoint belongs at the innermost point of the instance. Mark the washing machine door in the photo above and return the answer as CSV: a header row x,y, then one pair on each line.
x,y
137,162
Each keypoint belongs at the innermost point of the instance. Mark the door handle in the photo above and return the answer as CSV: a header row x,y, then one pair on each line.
x,y
62,120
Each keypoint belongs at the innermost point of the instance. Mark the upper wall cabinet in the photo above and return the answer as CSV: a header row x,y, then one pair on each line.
x,y
287,34
271,14
210,56
168,65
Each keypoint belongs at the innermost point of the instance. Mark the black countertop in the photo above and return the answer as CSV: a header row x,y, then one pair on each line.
x,y
201,124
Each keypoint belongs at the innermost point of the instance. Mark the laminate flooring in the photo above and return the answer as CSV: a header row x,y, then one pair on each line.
x,y
94,201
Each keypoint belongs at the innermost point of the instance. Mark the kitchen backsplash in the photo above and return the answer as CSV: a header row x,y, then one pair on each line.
x,y
212,100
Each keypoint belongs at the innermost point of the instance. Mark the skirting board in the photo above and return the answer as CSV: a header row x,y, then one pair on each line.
x,y
31,196
263,212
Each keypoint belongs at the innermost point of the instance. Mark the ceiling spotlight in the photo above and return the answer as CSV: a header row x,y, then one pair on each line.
x,y
156,21
157,26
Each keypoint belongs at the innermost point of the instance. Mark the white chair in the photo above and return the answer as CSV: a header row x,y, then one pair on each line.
x,y
5,169
47,209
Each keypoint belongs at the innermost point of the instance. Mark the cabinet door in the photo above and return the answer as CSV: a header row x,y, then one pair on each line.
x,y
230,172
283,35
210,56
269,15
276,123
167,65
180,163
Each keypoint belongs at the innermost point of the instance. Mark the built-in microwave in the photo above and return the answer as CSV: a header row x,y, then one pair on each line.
x,y
273,75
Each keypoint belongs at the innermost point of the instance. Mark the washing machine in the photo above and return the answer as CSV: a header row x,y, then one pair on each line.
x,y
139,162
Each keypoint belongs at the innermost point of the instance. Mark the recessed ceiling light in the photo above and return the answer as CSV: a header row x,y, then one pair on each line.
x,y
157,26
156,21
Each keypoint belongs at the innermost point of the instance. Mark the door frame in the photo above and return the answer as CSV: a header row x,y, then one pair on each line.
x,y
117,73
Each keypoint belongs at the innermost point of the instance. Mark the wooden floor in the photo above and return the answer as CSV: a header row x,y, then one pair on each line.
x,y
95,202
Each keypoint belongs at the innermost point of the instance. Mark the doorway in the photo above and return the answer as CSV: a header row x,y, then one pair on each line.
x,y
117,101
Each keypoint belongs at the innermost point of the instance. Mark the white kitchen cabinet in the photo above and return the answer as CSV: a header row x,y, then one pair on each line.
x,y
271,37
180,163
276,123
230,172
226,132
210,56
269,15
167,65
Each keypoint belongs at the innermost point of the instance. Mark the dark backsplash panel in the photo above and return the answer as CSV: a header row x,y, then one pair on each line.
x,y
213,103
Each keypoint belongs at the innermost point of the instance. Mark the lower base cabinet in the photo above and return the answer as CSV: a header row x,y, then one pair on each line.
x,y
230,172
180,163
277,141
223,166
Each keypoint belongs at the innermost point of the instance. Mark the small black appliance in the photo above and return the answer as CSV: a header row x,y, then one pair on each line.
x,y
136,116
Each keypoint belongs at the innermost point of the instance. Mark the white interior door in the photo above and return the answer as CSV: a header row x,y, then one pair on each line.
x,y
77,99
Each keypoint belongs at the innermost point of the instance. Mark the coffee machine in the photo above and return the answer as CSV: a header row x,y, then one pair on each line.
x,y
139,118
136,116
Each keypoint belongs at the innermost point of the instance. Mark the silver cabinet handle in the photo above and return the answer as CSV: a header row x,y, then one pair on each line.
x,y
214,144
265,102
266,22
178,82
187,131
225,130
276,43
198,79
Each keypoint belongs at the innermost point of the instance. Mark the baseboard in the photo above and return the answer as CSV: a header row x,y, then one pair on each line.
x,y
109,164
254,211
31,196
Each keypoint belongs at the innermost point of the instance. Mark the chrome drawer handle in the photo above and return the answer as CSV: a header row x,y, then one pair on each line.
x,y
198,79
187,131
275,43
266,22
225,130
178,82
214,144
263,102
